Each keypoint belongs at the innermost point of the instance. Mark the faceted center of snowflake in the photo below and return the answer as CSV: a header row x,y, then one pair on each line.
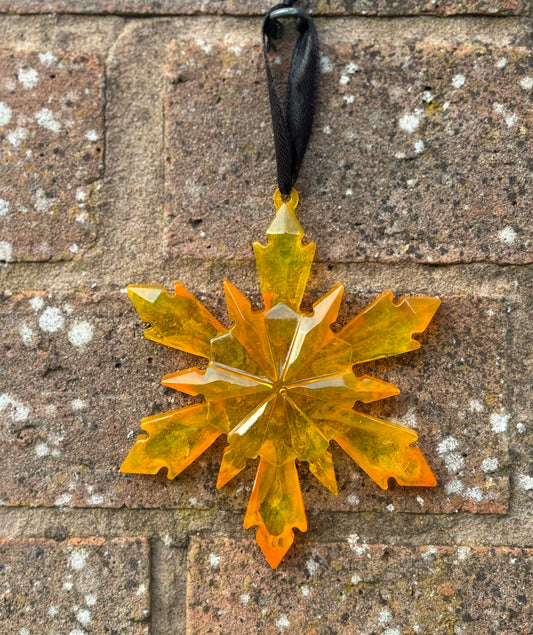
x,y
279,388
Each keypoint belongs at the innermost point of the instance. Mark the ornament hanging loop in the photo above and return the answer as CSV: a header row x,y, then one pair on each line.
x,y
292,202
288,11
292,120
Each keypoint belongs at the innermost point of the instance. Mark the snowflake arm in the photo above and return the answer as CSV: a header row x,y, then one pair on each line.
x,y
276,507
173,440
284,264
179,321
383,450
386,327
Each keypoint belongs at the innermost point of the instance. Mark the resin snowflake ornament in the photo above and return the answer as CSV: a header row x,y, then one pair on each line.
x,y
280,385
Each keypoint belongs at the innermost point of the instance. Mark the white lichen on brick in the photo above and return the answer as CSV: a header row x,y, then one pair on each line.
x,y
453,460
526,82
419,146
77,405
90,599
78,559
47,59
507,235
42,203
17,136
283,621
474,493
325,64
4,207
509,117
499,422
5,114
6,251
28,77
355,544
80,334
458,81
92,135
84,617
214,560
447,445
489,465
26,334
312,567
63,500
18,412
42,450
46,119
411,121
51,320
475,406
453,487
409,419
525,482
384,617
37,303
351,68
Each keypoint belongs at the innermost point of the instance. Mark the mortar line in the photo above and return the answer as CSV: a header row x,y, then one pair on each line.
x,y
140,15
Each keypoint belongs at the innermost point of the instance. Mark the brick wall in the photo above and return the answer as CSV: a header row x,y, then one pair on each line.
x,y
136,147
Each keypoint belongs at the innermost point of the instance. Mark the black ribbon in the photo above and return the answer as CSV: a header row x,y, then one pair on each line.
x,y
292,122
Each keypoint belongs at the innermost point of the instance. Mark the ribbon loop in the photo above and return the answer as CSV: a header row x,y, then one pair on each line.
x,y
292,121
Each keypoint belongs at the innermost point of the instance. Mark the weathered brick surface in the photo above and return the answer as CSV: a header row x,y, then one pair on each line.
x,y
75,586
85,377
418,153
51,149
77,375
521,424
80,376
248,7
359,588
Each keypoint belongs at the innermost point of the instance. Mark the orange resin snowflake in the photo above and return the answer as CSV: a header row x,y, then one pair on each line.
x,y
280,385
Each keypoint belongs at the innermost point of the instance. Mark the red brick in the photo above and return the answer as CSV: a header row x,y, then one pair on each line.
x,y
73,410
419,153
349,588
248,7
75,586
51,149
